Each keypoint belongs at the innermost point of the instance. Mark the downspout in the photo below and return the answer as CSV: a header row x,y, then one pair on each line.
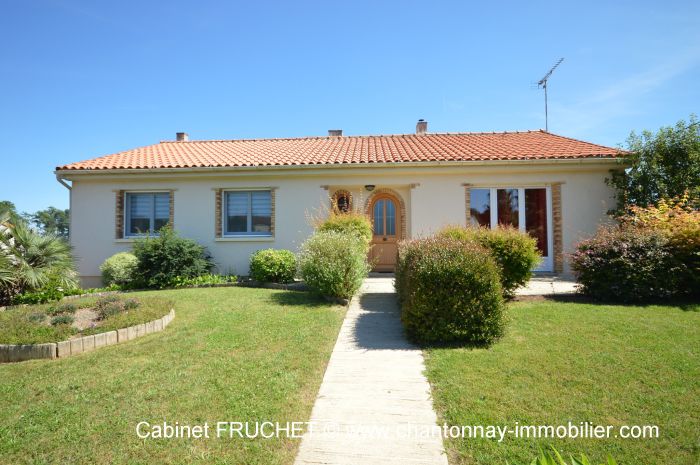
x,y
64,183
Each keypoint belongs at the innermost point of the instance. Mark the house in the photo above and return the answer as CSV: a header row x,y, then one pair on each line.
x,y
238,196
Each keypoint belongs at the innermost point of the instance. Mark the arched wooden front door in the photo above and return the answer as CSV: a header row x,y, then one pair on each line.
x,y
386,222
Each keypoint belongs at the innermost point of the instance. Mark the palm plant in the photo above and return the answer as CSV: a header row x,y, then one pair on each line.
x,y
30,261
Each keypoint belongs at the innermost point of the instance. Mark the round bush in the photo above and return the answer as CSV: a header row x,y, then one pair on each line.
x,y
334,264
119,269
449,292
164,258
515,252
273,266
351,223
627,265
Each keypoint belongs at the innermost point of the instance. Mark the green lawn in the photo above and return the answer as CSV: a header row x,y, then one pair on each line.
x,y
231,354
560,362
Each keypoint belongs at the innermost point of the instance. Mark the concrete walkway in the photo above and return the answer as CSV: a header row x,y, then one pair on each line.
x,y
374,404
548,285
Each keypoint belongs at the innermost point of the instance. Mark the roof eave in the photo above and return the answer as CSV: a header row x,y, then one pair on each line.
x,y
325,166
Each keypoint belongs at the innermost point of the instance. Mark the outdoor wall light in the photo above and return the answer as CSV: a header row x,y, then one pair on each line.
x,y
369,187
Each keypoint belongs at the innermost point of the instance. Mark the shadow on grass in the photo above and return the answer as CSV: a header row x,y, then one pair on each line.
x,y
686,304
298,298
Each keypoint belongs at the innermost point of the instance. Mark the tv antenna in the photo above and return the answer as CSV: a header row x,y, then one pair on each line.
x,y
543,84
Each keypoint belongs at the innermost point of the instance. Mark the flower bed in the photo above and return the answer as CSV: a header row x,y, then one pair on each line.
x,y
74,319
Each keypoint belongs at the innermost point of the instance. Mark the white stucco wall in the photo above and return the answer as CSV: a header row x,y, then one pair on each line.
x,y
433,198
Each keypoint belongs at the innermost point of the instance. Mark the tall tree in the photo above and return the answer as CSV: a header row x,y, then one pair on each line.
x,y
51,221
659,166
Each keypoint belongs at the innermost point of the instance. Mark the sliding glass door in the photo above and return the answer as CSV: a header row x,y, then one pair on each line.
x,y
528,209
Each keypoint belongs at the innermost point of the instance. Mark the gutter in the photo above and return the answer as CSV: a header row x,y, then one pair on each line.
x,y
418,164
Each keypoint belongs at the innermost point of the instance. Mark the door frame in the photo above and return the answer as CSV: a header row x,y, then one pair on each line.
x,y
378,194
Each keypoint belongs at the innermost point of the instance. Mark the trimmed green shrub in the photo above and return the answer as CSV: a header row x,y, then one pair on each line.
x,y
163,258
515,252
449,291
354,223
62,320
334,263
119,269
273,266
627,265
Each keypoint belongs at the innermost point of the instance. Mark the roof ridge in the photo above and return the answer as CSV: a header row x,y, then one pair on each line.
x,y
364,136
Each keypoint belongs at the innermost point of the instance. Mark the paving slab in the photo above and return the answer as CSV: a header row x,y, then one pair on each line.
x,y
548,285
374,404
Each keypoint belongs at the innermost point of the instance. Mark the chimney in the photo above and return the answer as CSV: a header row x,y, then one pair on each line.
x,y
421,127
335,132
181,137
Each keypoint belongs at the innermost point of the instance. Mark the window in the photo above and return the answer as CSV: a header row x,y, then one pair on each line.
x,y
528,209
146,212
248,213
341,202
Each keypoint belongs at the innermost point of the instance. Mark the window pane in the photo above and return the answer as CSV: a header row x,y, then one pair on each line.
x,y
480,208
261,202
390,218
536,217
507,207
237,212
162,210
379,218
140,207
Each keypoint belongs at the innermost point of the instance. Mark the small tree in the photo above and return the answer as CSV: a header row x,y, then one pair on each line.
x,y
29,261
664,165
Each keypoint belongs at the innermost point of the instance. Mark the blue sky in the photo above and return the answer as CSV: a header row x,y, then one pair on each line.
x,y
81,79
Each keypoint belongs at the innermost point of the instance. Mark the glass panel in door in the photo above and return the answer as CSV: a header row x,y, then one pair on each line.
x,y
480,207
507,207
536,217
379,218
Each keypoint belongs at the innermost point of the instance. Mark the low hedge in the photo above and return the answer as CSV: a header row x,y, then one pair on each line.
x,y
449,291
652,254
334,264
273,266
627,264
515,252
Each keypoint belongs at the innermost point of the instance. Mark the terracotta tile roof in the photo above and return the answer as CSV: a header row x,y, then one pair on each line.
x,y
431,147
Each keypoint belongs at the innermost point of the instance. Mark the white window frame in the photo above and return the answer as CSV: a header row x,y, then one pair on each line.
x,y
249,224
547,263
152,219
